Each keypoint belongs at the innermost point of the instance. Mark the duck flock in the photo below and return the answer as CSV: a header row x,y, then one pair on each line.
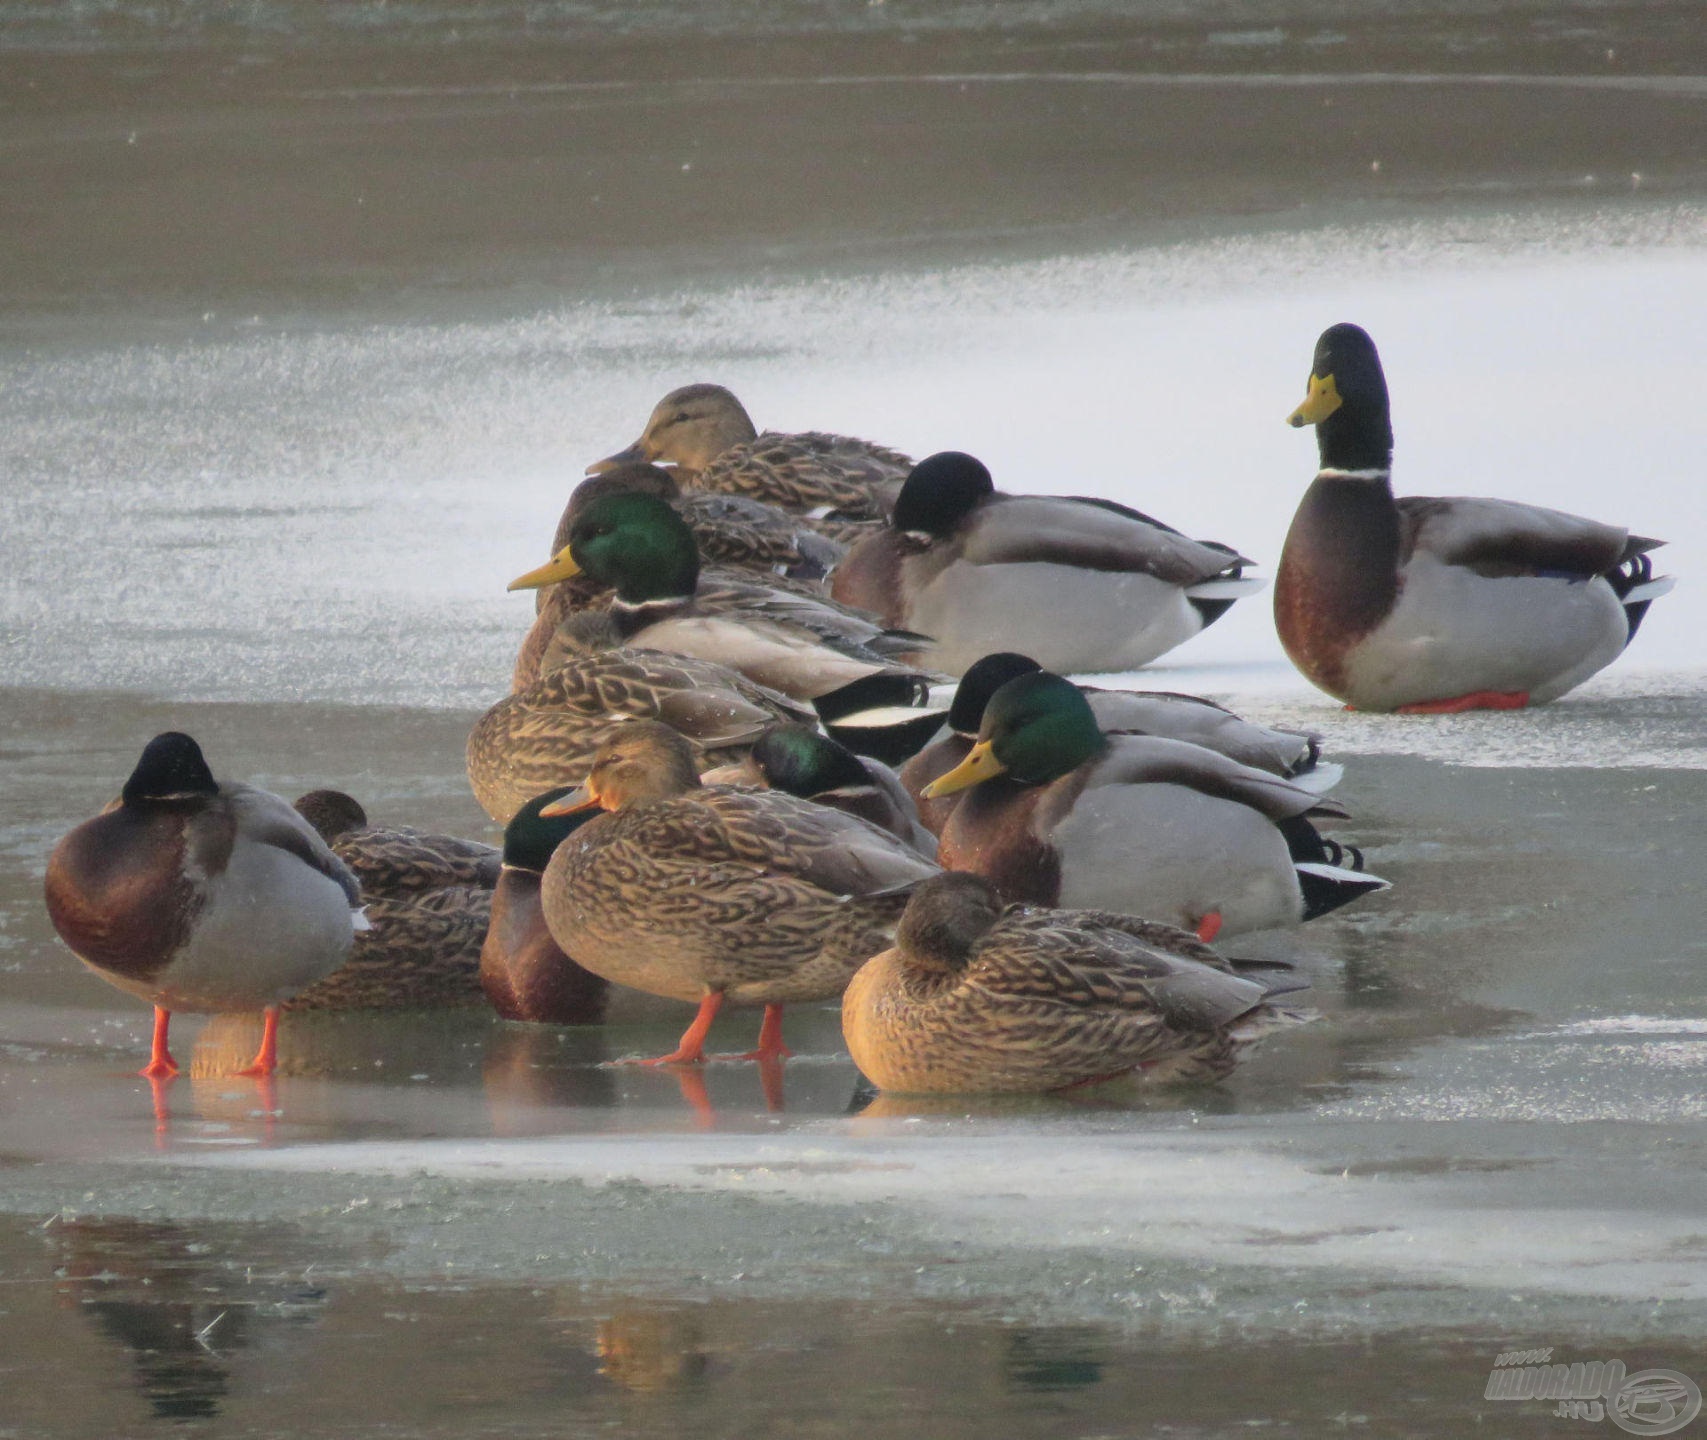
x,y
792,722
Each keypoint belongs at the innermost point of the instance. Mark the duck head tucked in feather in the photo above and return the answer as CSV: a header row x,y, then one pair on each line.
x,y
331,812
170,770
945,919
979,684
628,540
939,493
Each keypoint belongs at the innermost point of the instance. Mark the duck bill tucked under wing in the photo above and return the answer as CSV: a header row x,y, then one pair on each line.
x,y
980,764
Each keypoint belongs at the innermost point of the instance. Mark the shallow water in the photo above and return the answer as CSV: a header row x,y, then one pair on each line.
x,y
370,284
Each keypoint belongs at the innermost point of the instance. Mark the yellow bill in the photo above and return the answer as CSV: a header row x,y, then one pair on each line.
x,y
561,566
981,764
636,451
1321,402
576,800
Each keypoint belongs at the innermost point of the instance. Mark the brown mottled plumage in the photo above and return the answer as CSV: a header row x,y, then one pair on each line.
x,y
546,735
706,433
977,998
706,894
427,899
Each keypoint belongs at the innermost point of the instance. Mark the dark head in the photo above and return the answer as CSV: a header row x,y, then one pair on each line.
x,y
1347,402
1037,728
331,812
632,477
634,542
939,492
946,917
171,769
979,683
801,761
689,427
530,839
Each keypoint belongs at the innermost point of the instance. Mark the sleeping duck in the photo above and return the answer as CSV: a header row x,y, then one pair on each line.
x,y
842,662
1291,754
1425,605
1084,585
203,895
718,893
427,899
978,998
706,433
1065,815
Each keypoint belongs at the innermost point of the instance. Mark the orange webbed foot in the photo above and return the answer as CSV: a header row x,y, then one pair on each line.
x,y
1476,700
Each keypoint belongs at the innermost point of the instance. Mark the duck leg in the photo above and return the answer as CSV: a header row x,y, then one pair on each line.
x,y
1209,926
691,1050
1475,700
770,1039
267,1058
160,1065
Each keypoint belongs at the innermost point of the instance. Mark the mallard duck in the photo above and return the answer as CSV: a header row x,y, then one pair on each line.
x,y
1081,584
813,650
975,997
1065,815
714,894
808,763
202,895
1292,754
706,433
427,899
547,734
524,973
1426,605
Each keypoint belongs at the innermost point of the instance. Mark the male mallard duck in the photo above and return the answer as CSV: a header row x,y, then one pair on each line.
x,y
813,650
198,894
547,734
1065,815
1425,605
978,998
523,972
806,762
427,899
1291,754
1081,584
710,894
705,432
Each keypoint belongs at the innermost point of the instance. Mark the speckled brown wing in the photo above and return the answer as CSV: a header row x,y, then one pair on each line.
x,y
810,471
392,859
421,951
545,736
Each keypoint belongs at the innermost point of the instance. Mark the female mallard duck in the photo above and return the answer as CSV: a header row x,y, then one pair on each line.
x,y
1081,584
1065,815
523,972
427,899
547,734
1291,754
975,998
705,432
806,762
1426,605
714,894
203,895
812,650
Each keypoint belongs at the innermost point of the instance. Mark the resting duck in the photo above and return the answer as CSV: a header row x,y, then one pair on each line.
x,y
1065,815
1424,605
813,650
547,734
978,998
1081,584
1291,754
714,894
806,762
523,972
706,433
427,899
202,895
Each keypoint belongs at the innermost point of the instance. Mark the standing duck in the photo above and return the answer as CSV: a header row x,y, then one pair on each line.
x,y
427,899
842,662
1426,605
523,972
978,998
1065,815
710,894
1084,585
202,895
707,435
